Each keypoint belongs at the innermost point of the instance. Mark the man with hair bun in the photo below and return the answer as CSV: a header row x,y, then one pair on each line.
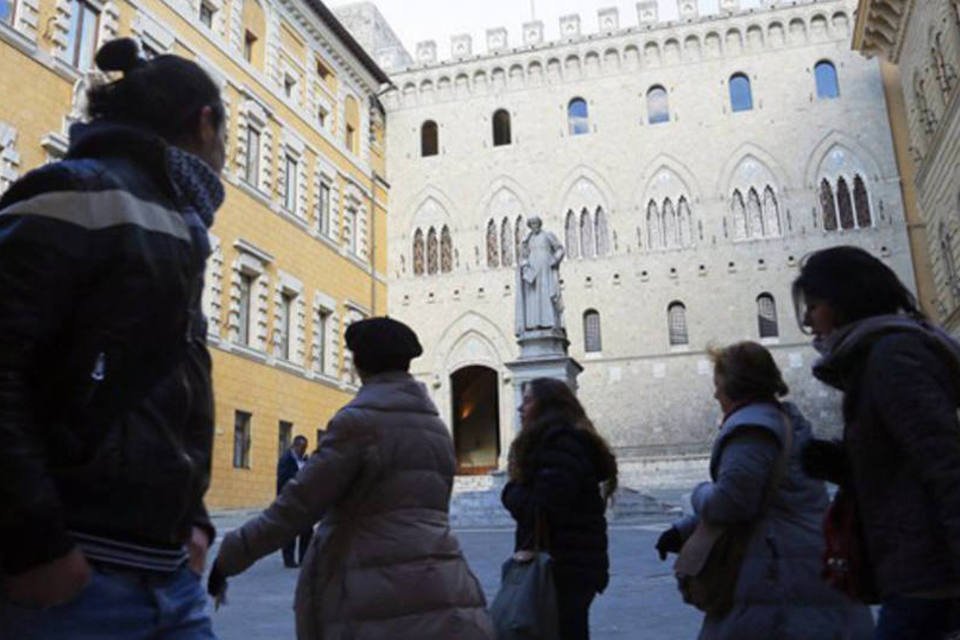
x,y
106,405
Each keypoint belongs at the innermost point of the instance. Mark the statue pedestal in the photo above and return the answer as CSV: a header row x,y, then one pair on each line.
x,y
543,354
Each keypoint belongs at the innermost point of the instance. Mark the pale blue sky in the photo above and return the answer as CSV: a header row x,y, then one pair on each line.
x,y
416,20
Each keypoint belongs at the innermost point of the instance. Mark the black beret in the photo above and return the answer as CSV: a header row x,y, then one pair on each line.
x,y
377,341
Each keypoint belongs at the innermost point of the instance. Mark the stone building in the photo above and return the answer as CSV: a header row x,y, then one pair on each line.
x,y
687,166
923,40
300,244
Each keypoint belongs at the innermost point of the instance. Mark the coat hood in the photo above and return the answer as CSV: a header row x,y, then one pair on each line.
x,y
393,391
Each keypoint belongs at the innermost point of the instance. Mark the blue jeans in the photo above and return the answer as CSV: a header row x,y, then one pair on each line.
x,y
118,605
903,618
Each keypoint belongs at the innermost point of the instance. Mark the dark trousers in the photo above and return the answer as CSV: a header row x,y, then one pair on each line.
x,y
573,601
904,618
290,550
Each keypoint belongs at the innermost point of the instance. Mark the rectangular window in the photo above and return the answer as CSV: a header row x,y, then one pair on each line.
x,y
286,306
285,437
241,439
7,8
82,34
323,329
253,157
322,71
206,15
246,293
290,185
353,228
323,208
289,86
249,43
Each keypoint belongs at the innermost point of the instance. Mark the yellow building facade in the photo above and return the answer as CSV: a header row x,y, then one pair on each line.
x,y
299,247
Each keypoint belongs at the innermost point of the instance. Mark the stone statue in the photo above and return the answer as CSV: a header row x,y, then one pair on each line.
x,y
539,305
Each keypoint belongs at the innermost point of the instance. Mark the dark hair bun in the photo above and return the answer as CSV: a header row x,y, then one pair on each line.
x,y
122,54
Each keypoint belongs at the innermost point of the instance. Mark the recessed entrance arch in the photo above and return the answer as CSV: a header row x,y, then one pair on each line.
x,y
476,419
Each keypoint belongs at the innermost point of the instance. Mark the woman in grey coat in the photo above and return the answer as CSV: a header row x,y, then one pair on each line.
x,y
384,563
779,592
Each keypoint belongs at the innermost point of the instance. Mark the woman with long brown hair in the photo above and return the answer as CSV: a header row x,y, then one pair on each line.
x,y
563,472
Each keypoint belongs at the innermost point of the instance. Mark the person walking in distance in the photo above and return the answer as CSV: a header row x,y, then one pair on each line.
x,y
563,473
898,462
106,408
290,463
384,563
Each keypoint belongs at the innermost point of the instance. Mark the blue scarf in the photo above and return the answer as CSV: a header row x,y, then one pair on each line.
x,y
199,194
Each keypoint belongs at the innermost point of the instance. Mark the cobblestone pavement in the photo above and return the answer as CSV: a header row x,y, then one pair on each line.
x,y
640,603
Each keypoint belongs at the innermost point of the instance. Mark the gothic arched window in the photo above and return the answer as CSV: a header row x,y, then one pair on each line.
x,y
588,248
601,233
739,212
844,204
828,86
518,237
418,253
446,250
654,235
592,339
670,233
493,252
577,117
506,243
501,128
771,213
658,105
862,202
685,223
767,316
572,235
741,95
429,139
677,324
828,206
433,263
754,215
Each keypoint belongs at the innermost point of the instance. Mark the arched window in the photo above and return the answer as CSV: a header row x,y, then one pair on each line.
x,y
862,202
518,237
828,87
828,206
767,316
493,252
670,237
351,127
771,213
572,235
685,223
844,204
741,96
588,248
577,117
739,212
429,139
754,214
658,105
601,233
446,250
506,243
418,253
433,263
654,234
501,128
677,324
592,342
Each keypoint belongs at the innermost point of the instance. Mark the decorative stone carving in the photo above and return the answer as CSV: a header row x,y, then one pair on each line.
x,y
533,33
648,12
608,19
461,46
570,26
427,52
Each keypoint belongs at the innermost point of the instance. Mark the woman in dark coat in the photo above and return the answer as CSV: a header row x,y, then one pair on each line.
x,y
779,594
561,469
899,460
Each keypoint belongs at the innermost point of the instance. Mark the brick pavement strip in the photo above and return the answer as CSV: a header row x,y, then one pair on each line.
x,y
641,602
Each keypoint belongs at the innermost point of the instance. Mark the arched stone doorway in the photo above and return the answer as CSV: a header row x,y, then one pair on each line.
x,y
476,419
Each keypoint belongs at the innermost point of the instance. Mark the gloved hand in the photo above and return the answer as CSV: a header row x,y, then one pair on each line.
x,y
824,460
669,541
217,585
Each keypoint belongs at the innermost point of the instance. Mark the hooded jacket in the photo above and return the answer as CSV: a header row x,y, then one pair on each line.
x,y
106,408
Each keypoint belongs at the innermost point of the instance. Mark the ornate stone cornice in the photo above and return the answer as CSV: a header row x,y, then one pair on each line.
x,y
880,27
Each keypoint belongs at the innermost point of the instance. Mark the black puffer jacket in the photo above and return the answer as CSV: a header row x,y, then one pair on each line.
x,y
106,408
901,448
562,480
